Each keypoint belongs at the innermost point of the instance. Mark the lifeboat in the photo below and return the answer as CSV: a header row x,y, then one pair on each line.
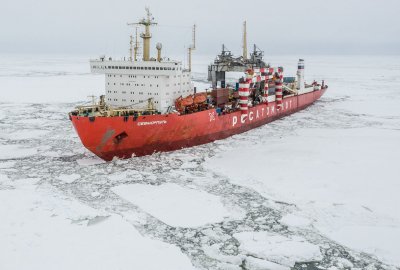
x,y
200,98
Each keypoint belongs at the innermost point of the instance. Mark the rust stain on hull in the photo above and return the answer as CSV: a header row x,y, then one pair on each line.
x,y
107,135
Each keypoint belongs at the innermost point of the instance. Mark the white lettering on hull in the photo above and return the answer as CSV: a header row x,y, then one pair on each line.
x,y
163,122
269,111
234,121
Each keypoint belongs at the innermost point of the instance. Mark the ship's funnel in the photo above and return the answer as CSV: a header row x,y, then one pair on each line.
x,y
300,75
159,47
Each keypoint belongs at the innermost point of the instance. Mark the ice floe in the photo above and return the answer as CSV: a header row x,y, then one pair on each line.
x,y
69,178
13,151
175,205
278,249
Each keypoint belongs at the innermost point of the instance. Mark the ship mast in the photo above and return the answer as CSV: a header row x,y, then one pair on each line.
x,y
131,48
244,41
146,36
136,47
192,47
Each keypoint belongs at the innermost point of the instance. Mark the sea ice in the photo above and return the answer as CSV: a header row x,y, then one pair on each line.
x,y
382,241
258,264
89,161
339,179
277,248
295,221
69,178
6,164
13,151
36,236
24,134
175,205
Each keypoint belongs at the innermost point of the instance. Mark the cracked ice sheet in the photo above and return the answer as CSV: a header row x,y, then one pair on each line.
x,y
175,205
14,151
40,231
340,179
379,240
277,248
24,134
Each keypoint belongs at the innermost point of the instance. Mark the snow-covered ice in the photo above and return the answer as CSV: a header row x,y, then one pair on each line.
x,y
90,161
175,205
69,178
277,248
14,151
383,241
315,190
26,134
295,221
52,238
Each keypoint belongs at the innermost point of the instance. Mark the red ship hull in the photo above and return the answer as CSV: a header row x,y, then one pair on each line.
x,y
124,137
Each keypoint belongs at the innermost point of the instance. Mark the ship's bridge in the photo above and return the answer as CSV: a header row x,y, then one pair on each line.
x,y
118,66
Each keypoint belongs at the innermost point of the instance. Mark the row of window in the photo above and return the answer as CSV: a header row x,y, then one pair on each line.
x,y
138,68
132,100
137,84
135,76
132,93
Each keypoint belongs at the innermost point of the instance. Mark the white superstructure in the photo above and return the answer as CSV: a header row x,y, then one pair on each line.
x,y
132,83
129,83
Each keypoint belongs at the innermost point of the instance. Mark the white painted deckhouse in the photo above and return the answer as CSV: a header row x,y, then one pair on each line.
x,y
129,82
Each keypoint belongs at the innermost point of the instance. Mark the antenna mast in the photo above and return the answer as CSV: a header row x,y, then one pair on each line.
x,y
192,47
244,41
146,36
136,47
130,48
